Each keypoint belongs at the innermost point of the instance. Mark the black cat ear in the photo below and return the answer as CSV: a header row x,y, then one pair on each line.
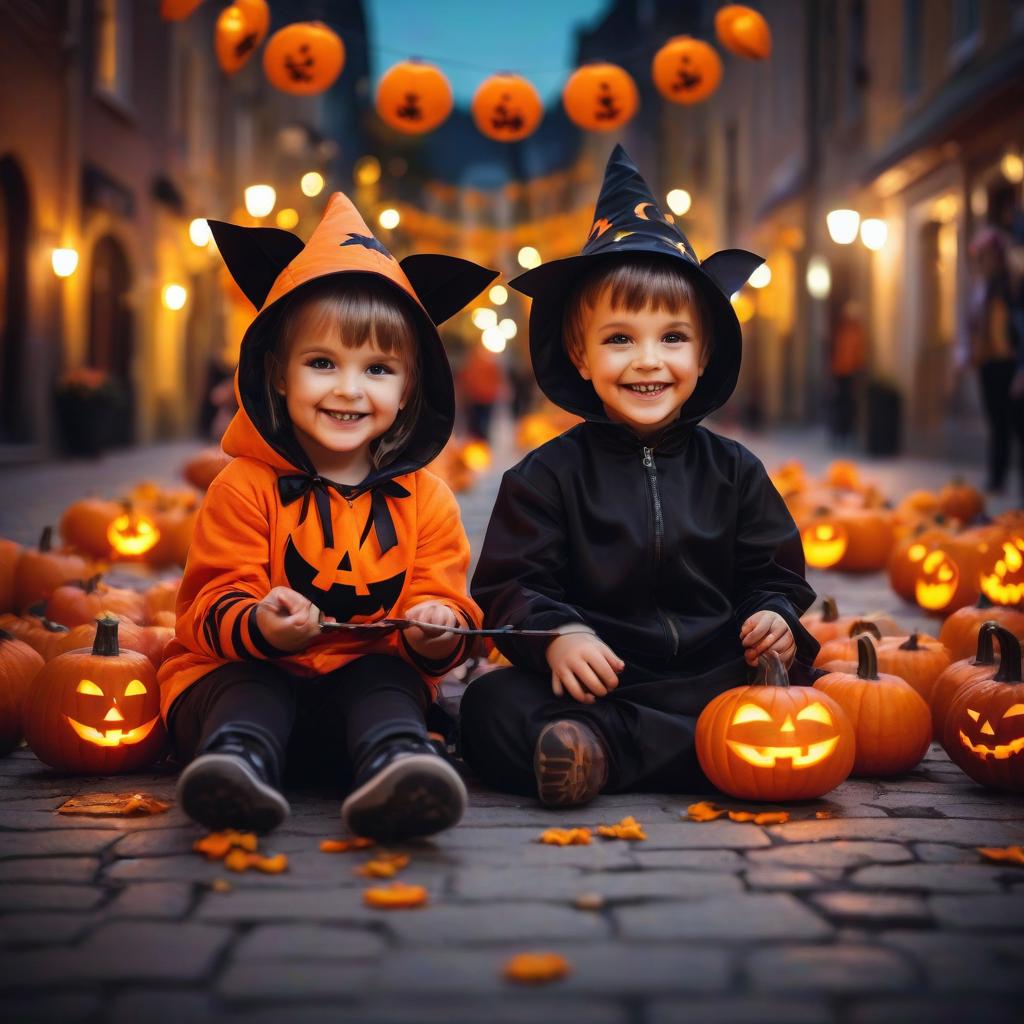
x,y
444,284
255,256
730,268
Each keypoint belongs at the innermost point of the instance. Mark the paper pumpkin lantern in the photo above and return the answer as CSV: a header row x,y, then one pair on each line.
x,y
686,70
96,712
892,723
414,97
304,58
177,10
507,107
40,571
984,729
600,97
772,741
241,27
19,666
743,31
960,631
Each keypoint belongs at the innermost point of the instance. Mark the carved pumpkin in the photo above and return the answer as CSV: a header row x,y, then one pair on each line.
x,y
959,500
908,554
304,58
202,469
960,631
40,571
1002,576
948,577
132,534
10,552
825,541
743,31
507,107
686,70
149,641
984,730
96,712
982,665
773,741
75,603
85,523
891,721
241,27
19,666
600,97
414,97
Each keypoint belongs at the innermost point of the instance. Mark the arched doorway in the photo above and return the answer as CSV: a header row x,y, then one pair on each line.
x,y
112,325
15,422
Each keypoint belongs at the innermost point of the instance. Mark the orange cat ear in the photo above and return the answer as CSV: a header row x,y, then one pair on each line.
x,y
255,256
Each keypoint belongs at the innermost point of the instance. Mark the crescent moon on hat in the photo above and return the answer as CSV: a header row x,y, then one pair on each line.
x,y
639,210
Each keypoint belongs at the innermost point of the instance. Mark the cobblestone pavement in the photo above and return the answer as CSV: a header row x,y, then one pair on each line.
x,y
880,912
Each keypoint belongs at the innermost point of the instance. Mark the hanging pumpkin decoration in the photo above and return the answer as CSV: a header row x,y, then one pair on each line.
x,y
686,70
958,500
743,31
40,571
96,712
984,730
1002,578
506,107
82,601
241,27
600,97
85,523
983,664
19,666
891,721
177,10
414,97
304,58
132,534
960,631
825,541
10,552
772,741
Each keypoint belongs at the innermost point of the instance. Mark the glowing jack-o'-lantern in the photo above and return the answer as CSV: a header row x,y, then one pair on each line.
x,y
304,58
824,543
686,70
1003,582
414,97
476,456
507,107
773,741
132,534
984,729
96,712
600,97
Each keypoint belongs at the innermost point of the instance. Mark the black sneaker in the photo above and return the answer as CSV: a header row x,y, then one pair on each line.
x,y
230,787
404,790
569,764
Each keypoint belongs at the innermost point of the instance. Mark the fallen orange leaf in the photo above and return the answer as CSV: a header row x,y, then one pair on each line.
x,y
704,811
761,817
395,896
237,860
220,885
345,845
114,805
216,845
269,865
384,865
566,836
1003,854
628,828
536,968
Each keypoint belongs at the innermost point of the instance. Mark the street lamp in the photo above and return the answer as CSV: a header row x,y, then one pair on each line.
x,y
498,295
64,261
842,225
287,218
260,200
819,277
199,233
760,277
312,183
483,317
679,201
529,258
494,340
389,218
508,327
874,233
174,296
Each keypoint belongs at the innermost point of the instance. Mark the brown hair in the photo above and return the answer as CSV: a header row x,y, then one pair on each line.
x,y
358,310
638,283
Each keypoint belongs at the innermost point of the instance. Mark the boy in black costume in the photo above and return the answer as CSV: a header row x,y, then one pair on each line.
x,y
659,549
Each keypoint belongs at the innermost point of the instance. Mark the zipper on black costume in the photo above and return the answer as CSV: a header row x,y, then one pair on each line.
x,y
659,531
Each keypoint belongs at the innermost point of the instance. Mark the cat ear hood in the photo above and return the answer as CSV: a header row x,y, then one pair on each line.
x,y
272,267
628,221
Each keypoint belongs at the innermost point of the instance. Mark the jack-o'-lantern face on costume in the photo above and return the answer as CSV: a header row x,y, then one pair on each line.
x,y
824,543
1003,582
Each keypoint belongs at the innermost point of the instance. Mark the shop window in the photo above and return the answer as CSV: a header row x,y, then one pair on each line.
x,y
112,49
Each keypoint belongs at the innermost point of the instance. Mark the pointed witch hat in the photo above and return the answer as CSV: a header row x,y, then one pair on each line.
x,y
628,221
271,266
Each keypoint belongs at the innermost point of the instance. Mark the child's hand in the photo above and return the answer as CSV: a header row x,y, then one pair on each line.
x,y
287,619
767,631
433,644
583,667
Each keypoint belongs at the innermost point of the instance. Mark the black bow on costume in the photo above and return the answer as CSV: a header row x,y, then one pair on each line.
x,y
301,485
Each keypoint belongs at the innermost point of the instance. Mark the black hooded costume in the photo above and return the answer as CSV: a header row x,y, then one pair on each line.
x,y
663,547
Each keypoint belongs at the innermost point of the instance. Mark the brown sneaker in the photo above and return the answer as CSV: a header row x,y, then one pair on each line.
x,y
569,763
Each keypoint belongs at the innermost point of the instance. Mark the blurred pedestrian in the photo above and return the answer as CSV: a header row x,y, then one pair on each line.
x,y
847,359
481,382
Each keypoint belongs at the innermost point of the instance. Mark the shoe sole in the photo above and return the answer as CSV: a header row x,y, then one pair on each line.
x,y
568,769
415,796
220,792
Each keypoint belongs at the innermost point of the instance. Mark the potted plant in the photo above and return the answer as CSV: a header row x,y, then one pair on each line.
x,y
87,403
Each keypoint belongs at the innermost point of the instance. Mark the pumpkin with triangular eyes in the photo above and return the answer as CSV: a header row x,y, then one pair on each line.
x,y
96,712
772,741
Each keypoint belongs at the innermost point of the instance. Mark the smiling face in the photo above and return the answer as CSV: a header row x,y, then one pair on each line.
x,y
112,717
793,740
1002,741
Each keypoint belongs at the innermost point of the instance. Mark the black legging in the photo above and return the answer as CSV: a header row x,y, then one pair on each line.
x,y
1005,418
315,730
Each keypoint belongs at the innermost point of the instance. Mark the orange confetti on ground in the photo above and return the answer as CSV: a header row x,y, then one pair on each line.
x,y
345,845
536,968
384,865
242,860
1003,854
114,805
217,845
395,896
821,815
220,885
566,836
761,817
628,828
704,811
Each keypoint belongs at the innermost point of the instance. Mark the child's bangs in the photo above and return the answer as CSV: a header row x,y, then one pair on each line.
x,y
641,286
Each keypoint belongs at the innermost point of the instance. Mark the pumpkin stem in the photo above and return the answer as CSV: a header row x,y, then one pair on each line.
x,y
986,652
865,626
90,585
1009,656
4,635
984,601
53,627
771,671
829,609
867,658
105,643
910,644
46,539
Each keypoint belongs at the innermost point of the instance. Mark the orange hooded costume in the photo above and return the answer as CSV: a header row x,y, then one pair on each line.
x,y
359,553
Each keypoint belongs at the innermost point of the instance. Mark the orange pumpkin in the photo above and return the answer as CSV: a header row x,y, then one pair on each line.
x,y
686,70
824,540
828,624
19,666
983,665
959,500
869,534
42,635
743,31
161,597
948,576
177,10
149,641
40,571
917,659
1001,576
81,601
907,555
176,523
96,712
10,552
132,535
960,631
85,523
891,721
414,97
772,741
304,58
506,107
241,27
844,648
600,97
202,469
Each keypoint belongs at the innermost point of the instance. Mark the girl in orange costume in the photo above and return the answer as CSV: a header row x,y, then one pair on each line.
x,y
326,513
